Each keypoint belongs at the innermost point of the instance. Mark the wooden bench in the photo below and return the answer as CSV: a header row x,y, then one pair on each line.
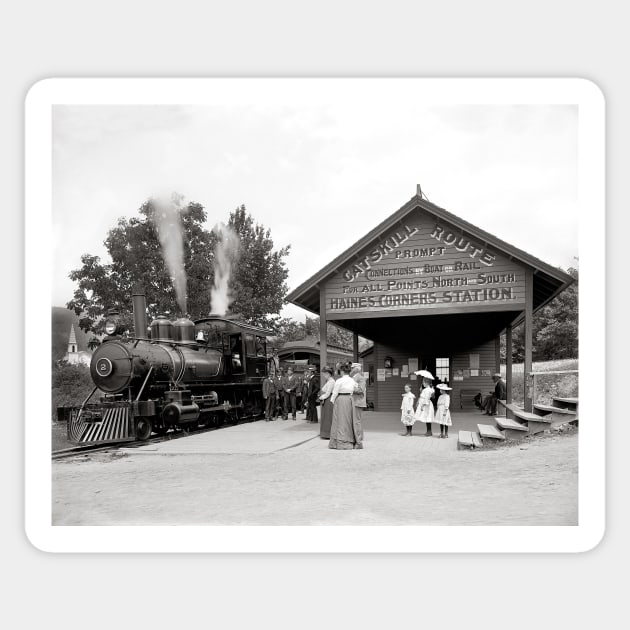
x,y
535,423
468,439
467,395
511,428
490,432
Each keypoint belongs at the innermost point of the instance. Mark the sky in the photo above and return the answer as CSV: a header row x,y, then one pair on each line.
x,y
318,176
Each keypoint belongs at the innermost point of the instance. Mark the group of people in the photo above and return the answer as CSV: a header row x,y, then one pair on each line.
x,y
341,400
424,411
285,392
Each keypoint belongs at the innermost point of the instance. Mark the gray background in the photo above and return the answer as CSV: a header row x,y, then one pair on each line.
x,y
451,39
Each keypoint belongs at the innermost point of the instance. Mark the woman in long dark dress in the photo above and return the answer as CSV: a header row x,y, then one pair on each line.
x,y
345,434
326,404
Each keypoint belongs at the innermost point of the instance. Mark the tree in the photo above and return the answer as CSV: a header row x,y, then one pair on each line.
x,y
136,256
71,385
554,328
556,334
259,281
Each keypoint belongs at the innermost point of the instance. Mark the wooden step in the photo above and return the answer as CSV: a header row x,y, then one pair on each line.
x,y
515,410
545,409
565,403
468,439
511,428
490,432
464,440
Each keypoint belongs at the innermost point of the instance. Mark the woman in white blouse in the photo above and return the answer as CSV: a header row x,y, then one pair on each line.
x,y
325,393
424,410
343,433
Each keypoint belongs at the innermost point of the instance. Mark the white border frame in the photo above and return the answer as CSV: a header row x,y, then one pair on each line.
x,y
38,222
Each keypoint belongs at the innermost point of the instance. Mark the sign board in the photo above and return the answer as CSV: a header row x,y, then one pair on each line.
x,y
424,264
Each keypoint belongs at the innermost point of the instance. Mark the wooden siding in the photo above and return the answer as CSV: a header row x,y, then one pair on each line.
x,y
387,395
421,265
487,362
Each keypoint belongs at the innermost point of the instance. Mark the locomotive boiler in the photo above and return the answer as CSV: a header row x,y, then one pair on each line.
x,y
180,375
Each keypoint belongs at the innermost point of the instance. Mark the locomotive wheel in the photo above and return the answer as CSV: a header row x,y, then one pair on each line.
x,y
143,429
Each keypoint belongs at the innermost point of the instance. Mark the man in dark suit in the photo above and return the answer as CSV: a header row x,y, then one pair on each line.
x,y
312,394
269,395
279,408
489,405
290,383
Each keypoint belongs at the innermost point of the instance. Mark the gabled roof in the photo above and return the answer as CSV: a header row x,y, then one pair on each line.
x,y
548,280
311,343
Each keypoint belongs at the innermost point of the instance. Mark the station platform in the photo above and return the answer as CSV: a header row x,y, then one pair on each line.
x,y
382,430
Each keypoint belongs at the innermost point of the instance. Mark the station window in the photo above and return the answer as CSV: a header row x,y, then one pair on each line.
x,y
442,367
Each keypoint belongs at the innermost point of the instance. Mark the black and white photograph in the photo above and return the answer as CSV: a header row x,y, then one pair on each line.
x,y
317,303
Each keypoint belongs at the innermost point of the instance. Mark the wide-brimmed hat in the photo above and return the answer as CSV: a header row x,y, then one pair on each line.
x,y
443,386
497,374
424,374
353,365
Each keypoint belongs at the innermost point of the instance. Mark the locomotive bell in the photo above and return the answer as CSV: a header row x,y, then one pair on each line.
x,y
161,329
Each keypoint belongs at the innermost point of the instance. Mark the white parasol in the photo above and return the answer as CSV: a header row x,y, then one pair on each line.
x,y
424,373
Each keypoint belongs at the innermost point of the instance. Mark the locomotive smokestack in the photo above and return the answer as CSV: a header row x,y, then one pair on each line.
x,y
139,311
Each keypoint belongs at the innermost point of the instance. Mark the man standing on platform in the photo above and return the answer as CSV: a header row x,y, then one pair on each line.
x,y
290,383
277,381
269,395
359,400
312,394
489,405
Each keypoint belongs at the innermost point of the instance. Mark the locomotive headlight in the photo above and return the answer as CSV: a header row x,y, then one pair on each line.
x,y
110,327
113,323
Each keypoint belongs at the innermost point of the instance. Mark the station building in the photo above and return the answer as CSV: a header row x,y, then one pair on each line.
x,y
434,292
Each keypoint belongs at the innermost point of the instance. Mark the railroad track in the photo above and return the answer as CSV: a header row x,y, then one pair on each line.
x,y
78,451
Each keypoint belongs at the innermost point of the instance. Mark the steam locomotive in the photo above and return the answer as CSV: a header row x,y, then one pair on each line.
x,y
182,374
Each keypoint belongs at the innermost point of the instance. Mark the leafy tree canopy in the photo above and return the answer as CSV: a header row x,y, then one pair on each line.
x,y
258,279
555,328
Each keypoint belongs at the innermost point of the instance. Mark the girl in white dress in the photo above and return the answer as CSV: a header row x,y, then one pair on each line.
x,y
407,416
443,415
424,410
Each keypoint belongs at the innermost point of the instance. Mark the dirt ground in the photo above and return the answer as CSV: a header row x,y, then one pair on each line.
x,y
388,483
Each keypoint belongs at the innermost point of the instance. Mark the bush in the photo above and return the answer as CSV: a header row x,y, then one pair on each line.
x,y
71,385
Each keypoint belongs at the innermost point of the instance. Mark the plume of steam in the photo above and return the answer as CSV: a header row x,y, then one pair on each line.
x,y
225,256
167,219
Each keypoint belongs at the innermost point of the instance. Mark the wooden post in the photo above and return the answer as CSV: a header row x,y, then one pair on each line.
x,y
355,347
527,360
497,354
508,364
323,329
